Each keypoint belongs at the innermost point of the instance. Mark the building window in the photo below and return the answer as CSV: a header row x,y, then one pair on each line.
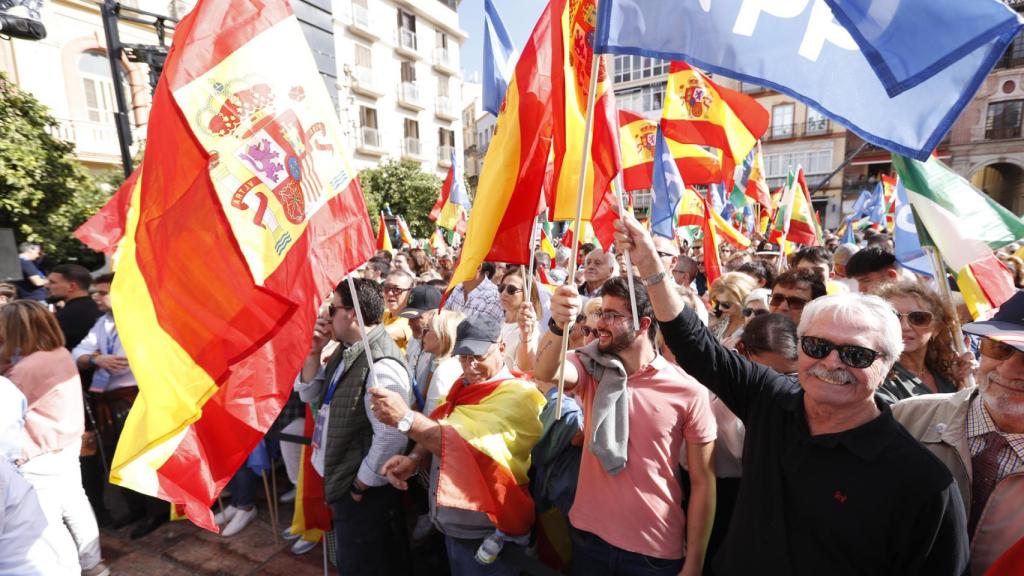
x,y
1003,120
1014,55
442,40
817,123
782,120
777,166
368,127
100,104
649,98
408,71
406,30
629,68
442,87
412,129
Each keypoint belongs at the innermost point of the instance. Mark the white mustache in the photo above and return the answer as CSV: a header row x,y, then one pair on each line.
x,y
836,375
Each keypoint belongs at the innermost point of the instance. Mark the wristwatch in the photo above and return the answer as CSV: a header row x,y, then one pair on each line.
x,y
654,278
405,424
554,329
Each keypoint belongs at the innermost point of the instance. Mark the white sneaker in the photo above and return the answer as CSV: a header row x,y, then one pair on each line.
x,y
221,517
288,535
288,496
241,519
302,546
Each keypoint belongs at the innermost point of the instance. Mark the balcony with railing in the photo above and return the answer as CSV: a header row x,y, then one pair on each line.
x,y
409,96
818,127
361,24
444,155
369,141
443,61
363,82
406,43
444,108
94,141
411,148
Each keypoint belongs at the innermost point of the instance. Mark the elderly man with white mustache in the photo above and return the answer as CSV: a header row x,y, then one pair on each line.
x,y
979,434
832,484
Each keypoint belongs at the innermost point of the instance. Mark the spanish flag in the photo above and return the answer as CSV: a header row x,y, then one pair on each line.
x,y
637,139
453,203
794,220
692,212
312,517
698,111
508,193
545,244
404,233
383,237
483,467
571,64
712,264
245,211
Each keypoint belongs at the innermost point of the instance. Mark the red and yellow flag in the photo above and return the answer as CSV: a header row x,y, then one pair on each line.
x,y
508,193
698,111
637,137
693,212
404,233
545,244
383,238
712,265
794,220
245,213
571,65
483,467
312,517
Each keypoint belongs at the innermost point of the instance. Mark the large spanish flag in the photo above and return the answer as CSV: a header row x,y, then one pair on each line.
x,y
508,193
698,111
484,466
572,58
637,139
245,213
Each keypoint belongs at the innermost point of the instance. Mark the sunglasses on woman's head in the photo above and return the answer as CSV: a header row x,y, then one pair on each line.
x,y
852,356
917,318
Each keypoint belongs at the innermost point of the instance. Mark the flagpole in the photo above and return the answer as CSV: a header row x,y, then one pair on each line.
x,y
362,330
621,199
533,252
581,189
947,295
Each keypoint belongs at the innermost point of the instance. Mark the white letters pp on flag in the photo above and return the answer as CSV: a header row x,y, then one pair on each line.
x,y
798,47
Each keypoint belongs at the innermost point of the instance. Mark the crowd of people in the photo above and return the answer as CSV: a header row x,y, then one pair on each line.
x,y
819,412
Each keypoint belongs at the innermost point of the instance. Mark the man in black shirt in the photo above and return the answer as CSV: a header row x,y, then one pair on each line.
x,y
70,283
831,483
33,282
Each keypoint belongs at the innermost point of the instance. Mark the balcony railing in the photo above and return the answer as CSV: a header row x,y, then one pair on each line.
x,y
411,147
409,94
780,132
362,80
812,128
407,39
443,59
444,107
89,138
361,16
370,138
444,155
1009,60
1002,132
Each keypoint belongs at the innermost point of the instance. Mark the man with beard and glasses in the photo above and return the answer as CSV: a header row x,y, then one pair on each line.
x,y
832,484
979,434
628,516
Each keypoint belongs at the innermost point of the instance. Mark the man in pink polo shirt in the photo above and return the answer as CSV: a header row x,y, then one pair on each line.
x,y
628,515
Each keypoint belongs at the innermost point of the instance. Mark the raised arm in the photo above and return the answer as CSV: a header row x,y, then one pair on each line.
x,y
565,305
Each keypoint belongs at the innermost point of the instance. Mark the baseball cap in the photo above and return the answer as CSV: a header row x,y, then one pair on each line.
x,y
1006,326
422,298
476,336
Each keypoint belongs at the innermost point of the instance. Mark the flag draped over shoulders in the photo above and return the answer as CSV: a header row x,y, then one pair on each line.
x,y
244,213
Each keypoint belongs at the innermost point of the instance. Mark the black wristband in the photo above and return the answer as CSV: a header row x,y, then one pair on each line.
x,y
554,329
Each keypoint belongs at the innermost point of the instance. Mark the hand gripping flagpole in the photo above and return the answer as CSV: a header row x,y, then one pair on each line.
x,y
947,295
581,189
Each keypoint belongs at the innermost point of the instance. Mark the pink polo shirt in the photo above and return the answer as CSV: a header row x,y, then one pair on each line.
x,y
55,419
640,508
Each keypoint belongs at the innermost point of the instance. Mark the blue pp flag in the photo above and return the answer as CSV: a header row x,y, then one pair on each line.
x,y
909,253
667,188
797,47
458,195
859,206
499,59
875,208
849,237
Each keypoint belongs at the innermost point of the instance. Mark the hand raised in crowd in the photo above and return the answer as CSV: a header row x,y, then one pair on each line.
x,y
399,469
111,363
631,235
964,365
565,305
527,319
387,406
321,335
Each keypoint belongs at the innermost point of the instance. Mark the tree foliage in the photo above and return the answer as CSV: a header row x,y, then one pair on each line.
x,y
45,193
404,187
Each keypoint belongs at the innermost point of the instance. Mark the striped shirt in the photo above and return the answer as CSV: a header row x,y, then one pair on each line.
x,y
482,300
979,424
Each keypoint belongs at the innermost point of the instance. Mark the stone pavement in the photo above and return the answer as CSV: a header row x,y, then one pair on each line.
x,y
181,549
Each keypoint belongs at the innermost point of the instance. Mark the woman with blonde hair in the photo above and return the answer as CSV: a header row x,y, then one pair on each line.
x,y
728,293
439,339
33,357
929,363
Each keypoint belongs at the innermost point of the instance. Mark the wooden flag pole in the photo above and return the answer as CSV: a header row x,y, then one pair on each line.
x,y
581,189
270,505
533,252
947,295
620,198
362,330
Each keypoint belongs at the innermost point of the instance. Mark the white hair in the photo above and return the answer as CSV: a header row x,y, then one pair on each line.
x,y
854,309
562,254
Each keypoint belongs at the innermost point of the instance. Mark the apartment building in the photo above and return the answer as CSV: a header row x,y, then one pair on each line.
x,y
399,80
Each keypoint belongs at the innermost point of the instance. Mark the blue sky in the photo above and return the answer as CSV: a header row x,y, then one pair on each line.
x,y
519,17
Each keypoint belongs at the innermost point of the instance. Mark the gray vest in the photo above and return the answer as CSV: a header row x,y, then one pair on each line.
x,y
349,433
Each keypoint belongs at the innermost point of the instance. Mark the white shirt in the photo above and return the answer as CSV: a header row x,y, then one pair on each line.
x,y
27,542
447,373
103,338
510,336
13,407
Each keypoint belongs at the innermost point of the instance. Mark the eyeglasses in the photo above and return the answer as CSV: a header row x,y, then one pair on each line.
x,y
852,356
996,350
510,290
588,331
794,302
394,290
919,318
331,309
469,359
748,312
722,305
609,316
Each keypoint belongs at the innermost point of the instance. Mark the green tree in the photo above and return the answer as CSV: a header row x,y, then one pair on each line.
x,y
404,187
45,193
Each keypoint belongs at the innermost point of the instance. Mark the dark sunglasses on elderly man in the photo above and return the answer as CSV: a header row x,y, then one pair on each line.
x,y
852,356
996,350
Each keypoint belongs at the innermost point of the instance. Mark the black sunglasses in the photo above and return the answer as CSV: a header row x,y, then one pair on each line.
x,y
509,289
917,318
794,302
331,309
748,312
852,356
